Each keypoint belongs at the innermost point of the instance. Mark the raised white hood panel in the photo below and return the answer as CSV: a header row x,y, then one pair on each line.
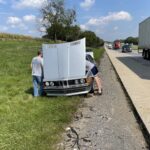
x,y
64,61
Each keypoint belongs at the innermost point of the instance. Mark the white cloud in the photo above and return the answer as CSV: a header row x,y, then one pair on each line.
x,y
115,28
2,2
115,16
86,4
42,29
29,18
83,27
16,22
29,3
101,25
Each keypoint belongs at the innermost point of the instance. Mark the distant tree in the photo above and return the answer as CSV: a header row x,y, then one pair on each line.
x,y
130,40
122,40
72,33
59,24
54,32
100,42
56,18
92,39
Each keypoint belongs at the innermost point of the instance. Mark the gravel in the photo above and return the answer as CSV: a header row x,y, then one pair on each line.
x,y
105,122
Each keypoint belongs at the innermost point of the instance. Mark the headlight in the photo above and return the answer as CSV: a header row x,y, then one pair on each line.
x,y
47,83
51,83
82,81
76,82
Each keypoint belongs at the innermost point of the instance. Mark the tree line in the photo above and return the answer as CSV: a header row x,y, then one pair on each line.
x,y
59,23
130,40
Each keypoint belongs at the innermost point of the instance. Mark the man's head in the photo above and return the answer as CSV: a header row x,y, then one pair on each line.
x,y
39,53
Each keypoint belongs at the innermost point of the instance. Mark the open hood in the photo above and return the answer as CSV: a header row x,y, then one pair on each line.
x,y
64,61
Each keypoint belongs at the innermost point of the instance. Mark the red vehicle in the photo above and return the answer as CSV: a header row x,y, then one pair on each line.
x,y
117,44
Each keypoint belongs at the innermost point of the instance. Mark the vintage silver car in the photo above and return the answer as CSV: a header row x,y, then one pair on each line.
x,y
65,69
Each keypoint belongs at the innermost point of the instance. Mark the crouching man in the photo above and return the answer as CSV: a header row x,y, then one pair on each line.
x,y
93,71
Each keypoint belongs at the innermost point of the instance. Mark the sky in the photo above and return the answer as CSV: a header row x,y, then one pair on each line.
x,y
109,19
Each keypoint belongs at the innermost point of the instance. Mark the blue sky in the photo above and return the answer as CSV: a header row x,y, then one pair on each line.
x,y
109,19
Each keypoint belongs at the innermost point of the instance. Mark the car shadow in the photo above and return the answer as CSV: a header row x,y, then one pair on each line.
x,y
138,65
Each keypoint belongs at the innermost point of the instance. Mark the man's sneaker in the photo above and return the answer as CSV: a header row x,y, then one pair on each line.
x,y
100,92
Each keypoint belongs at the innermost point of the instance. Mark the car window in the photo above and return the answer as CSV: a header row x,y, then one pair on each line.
x,y
88,50
89,58
126,46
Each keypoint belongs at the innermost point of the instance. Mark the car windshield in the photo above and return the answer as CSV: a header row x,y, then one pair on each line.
x,y
88,50
126,46
89,58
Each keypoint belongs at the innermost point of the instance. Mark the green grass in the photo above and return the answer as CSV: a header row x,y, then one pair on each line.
x,y
98,52
28,123
7,36
135,47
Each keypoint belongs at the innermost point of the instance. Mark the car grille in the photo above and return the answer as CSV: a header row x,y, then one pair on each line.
x,y
65,91
66,83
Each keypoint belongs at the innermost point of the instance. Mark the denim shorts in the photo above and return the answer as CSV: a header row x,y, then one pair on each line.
x,y
94,70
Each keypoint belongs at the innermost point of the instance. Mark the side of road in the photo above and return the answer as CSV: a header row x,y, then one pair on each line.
x,y
134,74
104,122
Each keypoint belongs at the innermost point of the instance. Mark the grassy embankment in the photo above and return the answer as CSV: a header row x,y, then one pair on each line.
x,y
98,52
135,47
27,122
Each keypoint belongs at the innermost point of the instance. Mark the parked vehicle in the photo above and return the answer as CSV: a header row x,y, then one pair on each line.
x,y
144,38
90,57
110,46
65,69
116,44
126,48
89,51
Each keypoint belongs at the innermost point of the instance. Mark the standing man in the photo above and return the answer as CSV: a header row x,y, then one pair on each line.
x,y
37,74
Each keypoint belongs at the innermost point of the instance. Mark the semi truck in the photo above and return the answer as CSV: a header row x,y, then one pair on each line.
x,y
144,38
116,44
65,69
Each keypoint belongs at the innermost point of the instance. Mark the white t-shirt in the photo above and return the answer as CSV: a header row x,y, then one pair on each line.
x,y
37,66
89,65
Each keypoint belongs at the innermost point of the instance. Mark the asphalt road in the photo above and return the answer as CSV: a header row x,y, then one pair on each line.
x,y
105,122
136,63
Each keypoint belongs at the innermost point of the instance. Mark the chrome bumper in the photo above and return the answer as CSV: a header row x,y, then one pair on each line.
x,y
67,91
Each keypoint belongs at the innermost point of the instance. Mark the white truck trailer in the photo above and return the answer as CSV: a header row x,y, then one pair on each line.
x,y
144,38
65,68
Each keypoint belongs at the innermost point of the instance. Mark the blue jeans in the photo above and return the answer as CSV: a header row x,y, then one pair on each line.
x,y
37,85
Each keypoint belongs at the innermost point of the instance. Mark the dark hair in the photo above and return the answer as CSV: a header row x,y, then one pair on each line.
x,y
39,53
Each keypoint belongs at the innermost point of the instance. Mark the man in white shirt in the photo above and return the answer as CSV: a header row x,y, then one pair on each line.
x,y
37,74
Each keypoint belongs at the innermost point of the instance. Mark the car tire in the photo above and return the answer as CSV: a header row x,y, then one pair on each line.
x,y
144,54
148,54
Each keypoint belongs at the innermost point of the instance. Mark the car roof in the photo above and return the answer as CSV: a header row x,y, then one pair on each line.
x,y
126,45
